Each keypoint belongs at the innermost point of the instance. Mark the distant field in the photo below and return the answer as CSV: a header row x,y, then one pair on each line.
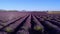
x,y
54,12
29,22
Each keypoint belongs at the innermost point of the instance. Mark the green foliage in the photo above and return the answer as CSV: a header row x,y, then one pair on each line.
x,y
37,28
8,30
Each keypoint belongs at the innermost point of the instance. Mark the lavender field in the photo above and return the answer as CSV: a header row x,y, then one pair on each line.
x,y
29,23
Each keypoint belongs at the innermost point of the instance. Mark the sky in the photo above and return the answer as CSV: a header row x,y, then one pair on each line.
x,y
33,5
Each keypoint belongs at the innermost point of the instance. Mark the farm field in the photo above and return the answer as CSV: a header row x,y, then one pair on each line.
x,y
29,23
